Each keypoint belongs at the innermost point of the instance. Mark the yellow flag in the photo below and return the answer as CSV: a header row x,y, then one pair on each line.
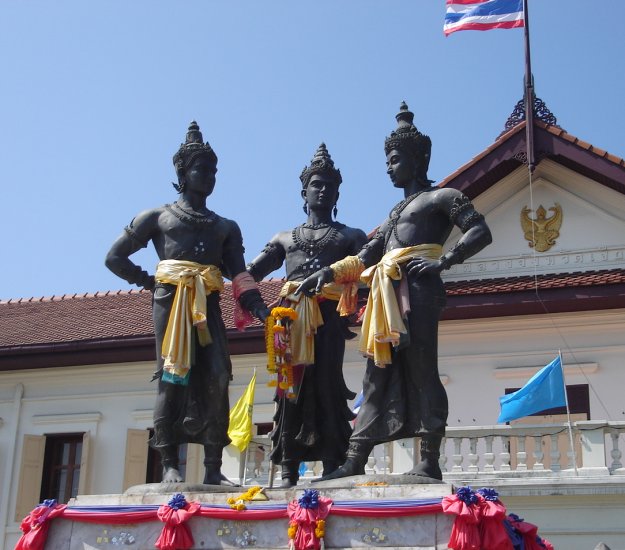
x,y
240,428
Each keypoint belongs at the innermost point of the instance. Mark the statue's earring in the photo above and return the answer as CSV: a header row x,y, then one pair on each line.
x,y
335,211
179,186
305,208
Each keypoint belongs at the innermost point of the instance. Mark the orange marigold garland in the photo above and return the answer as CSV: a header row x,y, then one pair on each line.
x,y
278,344
238,503
320,529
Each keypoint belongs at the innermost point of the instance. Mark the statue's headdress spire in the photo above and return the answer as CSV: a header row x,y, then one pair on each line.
x,y
407,138
192,148
321,164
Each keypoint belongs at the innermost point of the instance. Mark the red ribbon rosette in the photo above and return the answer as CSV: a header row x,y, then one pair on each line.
x,y
529,532
176,535
493,512
465,505
35,525
305,513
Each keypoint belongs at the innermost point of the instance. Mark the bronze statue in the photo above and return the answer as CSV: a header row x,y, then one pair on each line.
x,y
403,394
313,423
195,247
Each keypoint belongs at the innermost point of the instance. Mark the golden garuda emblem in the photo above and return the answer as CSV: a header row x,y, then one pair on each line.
x,y
541,232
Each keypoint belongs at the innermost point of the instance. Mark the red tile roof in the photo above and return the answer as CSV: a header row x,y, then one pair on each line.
x,y
100,316
542,282
127,314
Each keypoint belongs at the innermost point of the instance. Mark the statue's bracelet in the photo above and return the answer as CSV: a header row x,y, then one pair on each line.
x,y
445,262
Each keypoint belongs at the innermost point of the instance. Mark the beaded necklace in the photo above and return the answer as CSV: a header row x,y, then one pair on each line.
x,y
312,247
394,217
190,217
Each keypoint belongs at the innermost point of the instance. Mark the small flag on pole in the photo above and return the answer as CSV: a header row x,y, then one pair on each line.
x,y
240,428
544,390
482,15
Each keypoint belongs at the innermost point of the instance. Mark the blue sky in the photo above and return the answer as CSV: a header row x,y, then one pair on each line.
x,y
97,96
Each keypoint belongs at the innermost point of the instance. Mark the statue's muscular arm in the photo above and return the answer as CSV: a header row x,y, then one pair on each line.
x,y
475,233
270,258
139,232
371,252
233,264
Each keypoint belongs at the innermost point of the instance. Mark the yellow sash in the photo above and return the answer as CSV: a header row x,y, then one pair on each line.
x,y
309,317
382,322
194,282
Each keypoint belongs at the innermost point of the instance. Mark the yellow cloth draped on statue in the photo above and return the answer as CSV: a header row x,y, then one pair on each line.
x,y
382,322
193,283
309,317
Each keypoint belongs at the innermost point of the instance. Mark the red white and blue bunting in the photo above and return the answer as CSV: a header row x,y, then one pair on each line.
x,y
481,521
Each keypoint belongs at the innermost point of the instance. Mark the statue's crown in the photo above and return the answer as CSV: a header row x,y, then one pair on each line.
x,y
407,138
192,148
321,164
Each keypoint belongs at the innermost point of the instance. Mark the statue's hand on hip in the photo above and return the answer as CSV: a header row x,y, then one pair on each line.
x,y
421,266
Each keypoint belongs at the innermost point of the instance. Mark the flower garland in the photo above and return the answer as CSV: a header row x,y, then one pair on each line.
x,y
278,344
238,503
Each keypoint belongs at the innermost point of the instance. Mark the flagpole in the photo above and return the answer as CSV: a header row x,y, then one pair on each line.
x,y
568,415
529,92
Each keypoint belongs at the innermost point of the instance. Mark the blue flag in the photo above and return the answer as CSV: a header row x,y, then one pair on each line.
x,y
544,390
358,402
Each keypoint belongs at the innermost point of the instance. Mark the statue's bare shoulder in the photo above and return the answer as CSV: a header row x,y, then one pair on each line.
x,y
355,237
146,225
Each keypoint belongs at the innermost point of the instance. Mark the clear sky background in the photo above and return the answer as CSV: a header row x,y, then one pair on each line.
x,y
96,97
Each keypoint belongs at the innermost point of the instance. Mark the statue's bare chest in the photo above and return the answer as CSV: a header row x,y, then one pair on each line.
x,y
416,220
198,239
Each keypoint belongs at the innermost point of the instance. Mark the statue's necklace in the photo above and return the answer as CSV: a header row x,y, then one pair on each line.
x,y
396,213
189,216
312,247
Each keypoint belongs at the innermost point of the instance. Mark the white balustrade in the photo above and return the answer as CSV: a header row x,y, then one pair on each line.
x,y
521,450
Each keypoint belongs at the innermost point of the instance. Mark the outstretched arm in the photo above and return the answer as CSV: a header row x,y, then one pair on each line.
x,y
233,267
270,259
475,235
135,237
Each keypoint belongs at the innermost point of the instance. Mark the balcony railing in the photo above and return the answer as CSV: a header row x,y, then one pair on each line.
x,y
541,450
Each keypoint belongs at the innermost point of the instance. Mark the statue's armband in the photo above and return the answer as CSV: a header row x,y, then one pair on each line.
x,y
463,214
134,237
270,259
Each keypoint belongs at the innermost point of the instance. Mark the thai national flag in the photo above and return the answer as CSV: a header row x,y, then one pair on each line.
x,y
482,15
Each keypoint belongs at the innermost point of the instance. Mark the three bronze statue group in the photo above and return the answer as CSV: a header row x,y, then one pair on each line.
x,y
325,260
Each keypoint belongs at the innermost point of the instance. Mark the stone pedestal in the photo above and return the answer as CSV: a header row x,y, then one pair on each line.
x,y
420,532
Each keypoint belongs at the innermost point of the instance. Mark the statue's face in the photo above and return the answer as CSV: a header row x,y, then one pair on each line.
x,y
321,193
400,167
200,176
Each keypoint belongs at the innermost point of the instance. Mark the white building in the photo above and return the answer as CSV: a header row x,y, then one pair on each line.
x,y
75,370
